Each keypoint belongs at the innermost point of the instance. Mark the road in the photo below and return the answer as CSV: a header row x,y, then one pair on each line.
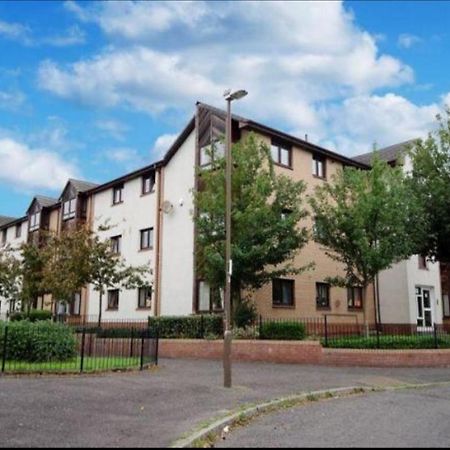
x,y
153,409
402,418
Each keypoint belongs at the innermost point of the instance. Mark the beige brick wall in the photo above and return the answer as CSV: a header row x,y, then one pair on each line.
x,y
305,283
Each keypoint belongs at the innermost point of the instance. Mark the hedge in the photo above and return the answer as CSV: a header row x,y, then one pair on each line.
x,y
188,327
38,342
35,315
282,331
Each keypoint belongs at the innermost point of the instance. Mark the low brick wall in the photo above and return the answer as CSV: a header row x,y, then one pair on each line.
x,y
306,352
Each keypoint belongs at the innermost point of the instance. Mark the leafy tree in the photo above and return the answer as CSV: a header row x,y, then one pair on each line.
x,y
431,183
10,275
368,221
67,267
266,211
109,270
32,268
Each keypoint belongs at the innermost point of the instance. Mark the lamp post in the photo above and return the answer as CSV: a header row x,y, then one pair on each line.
x,y
229,97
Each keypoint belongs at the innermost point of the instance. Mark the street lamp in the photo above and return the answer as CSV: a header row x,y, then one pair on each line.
x,y
229,97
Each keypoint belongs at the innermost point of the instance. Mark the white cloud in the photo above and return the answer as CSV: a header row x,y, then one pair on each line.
x,y
408,40
72,36
28,168
12,100
162,144
112,128
357,123
290,56
16,32
127,158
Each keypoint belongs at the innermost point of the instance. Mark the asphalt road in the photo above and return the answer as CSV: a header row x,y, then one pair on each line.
x,y
153,409
404,418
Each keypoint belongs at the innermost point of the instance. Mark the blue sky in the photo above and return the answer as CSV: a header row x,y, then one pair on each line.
x,y
94,90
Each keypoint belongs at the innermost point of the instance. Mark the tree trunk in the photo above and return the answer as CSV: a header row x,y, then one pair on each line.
x,y
100,308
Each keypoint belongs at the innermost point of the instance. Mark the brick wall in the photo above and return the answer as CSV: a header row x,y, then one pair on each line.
x,y
306,352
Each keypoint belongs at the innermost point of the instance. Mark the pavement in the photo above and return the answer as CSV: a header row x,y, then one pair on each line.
x,y
413,418
155,408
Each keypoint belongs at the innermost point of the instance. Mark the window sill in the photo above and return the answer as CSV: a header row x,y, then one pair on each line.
x,y
146,194
283,306
112,310
323,308
144,309
143,250
117,204
283,166
320,178
355,309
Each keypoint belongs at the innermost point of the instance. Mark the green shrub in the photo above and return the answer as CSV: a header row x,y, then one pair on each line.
x,y
245,314
283,331
35,315
38,342
189,327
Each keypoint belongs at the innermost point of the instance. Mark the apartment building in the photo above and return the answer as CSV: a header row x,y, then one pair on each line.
x,y
150,213
410,292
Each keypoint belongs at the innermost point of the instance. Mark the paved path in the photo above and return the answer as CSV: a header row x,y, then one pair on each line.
x,y
153,409
405,418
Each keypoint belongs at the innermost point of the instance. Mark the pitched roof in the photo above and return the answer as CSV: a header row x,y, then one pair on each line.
x,y
293,140
388,154
82,186
5,220
46,202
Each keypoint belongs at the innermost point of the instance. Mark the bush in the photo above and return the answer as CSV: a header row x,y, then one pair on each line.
x,y
245,314
283,331
38,342
35,315
189,327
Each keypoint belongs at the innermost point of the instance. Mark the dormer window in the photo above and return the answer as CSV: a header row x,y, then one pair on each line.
x,y
212,152
118,194
4,236
35,221
69,209
319,166
18,230
148,183
281,154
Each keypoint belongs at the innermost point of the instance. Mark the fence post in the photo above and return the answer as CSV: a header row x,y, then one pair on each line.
x,y
132,342
83,341
326,330
436,343
157,349
142,352
260,326
5,349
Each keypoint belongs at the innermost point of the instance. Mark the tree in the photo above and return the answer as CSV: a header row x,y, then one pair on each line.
x,y
67,267
10,275
109,270
431,183
266,211
31,267
368,221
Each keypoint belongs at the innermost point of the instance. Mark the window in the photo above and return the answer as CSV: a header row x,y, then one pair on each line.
x,y
283,293
116,244
145,298
118,194
75,306
423,262
446,301
354,298
113,299
211,152
148,183
319,166
209,299
69,209
322,295
35,221
4,235
147,239
18,230
281,155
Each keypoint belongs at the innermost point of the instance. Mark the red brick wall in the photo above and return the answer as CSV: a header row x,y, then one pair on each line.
x,y
307,352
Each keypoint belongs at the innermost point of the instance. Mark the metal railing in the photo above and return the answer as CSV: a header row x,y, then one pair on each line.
x,y
86,350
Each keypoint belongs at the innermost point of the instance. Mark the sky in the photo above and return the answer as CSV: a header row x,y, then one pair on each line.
x,y
93,90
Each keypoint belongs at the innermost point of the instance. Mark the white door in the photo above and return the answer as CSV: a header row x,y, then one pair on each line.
x,y
424,309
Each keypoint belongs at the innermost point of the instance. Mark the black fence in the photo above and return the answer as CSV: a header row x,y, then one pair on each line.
x,y
93,321
80,350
